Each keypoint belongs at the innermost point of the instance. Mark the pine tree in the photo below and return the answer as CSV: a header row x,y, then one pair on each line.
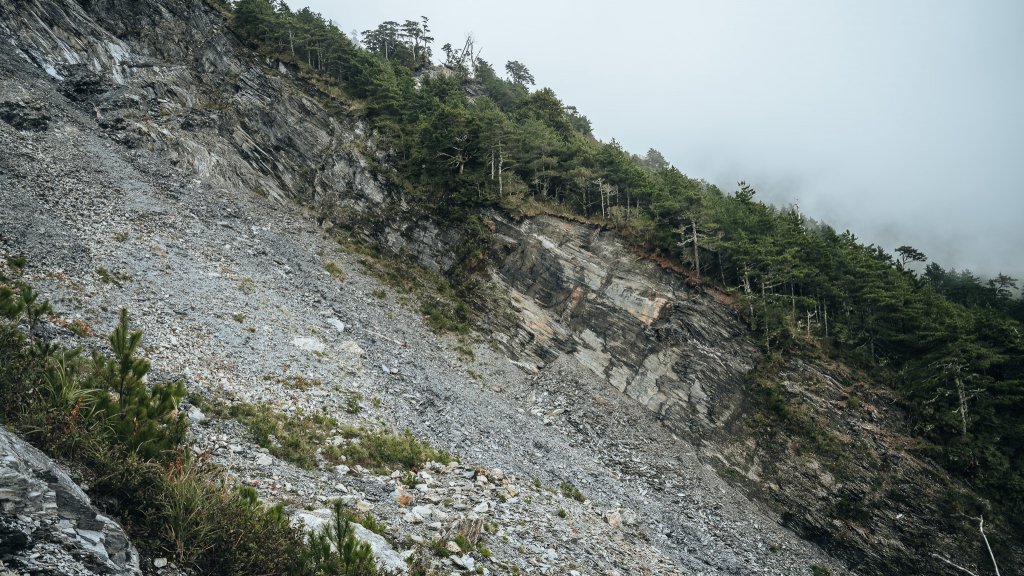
x,y
145,420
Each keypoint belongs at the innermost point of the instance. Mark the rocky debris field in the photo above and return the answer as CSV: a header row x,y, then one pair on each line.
x,y
233,295
253,304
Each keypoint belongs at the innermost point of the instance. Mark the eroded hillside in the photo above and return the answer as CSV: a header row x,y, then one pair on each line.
x,y
153,163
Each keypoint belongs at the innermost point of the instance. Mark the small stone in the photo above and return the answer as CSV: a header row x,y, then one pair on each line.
x,y
481,507
465,561
308,344
423,511
338,325
402,497
630,518
160,562
264,460
613,518
352,348
363,506
196,415
341,469
453,547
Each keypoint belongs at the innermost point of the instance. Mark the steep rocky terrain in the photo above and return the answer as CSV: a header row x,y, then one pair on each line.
x,y
150,162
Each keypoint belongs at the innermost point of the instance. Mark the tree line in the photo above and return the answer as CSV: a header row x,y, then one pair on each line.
x,y
463,138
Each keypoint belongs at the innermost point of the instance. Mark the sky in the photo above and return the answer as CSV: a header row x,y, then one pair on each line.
x,y
900,120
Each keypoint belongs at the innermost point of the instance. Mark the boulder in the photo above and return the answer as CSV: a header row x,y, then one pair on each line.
x,y
47,523
387,559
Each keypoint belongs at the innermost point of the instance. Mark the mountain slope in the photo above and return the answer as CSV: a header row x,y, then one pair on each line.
x,y
152,162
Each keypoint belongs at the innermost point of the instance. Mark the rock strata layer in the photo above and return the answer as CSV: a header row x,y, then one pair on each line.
x,y
48,525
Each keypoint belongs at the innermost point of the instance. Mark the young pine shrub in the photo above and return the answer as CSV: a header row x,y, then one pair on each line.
x,y
146,421
335,550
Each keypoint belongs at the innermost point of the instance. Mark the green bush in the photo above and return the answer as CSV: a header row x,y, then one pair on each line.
x,y
381,451
336,551
571,491
145,420
294,438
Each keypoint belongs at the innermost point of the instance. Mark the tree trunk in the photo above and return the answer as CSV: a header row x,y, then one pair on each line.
x,y
981,528
696,249
501,160
962,395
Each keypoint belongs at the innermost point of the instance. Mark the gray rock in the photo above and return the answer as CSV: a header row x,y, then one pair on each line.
x,y
385,555
47,520
196,415
465,561
308,344
387,558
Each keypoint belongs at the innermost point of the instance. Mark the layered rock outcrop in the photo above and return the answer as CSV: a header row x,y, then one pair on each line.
x,y
579,290
47,523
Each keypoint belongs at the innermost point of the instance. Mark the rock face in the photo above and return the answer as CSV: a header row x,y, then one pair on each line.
x,y
48,526
579,290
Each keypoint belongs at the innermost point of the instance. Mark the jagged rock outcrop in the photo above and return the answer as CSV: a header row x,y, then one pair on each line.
x,y
579,290
48,525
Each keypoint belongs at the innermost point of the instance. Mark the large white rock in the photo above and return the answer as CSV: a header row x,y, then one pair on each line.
x,y
384,554
308,344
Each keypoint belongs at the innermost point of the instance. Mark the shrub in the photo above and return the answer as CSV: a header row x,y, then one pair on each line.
x,y
570,491
380,451
336,550
292,438
333,269
145,420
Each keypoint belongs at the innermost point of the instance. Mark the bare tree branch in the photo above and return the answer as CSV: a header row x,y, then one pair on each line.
x,y
957,566
981,528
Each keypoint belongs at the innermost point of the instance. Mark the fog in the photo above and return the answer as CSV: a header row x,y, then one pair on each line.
x,y
902,121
